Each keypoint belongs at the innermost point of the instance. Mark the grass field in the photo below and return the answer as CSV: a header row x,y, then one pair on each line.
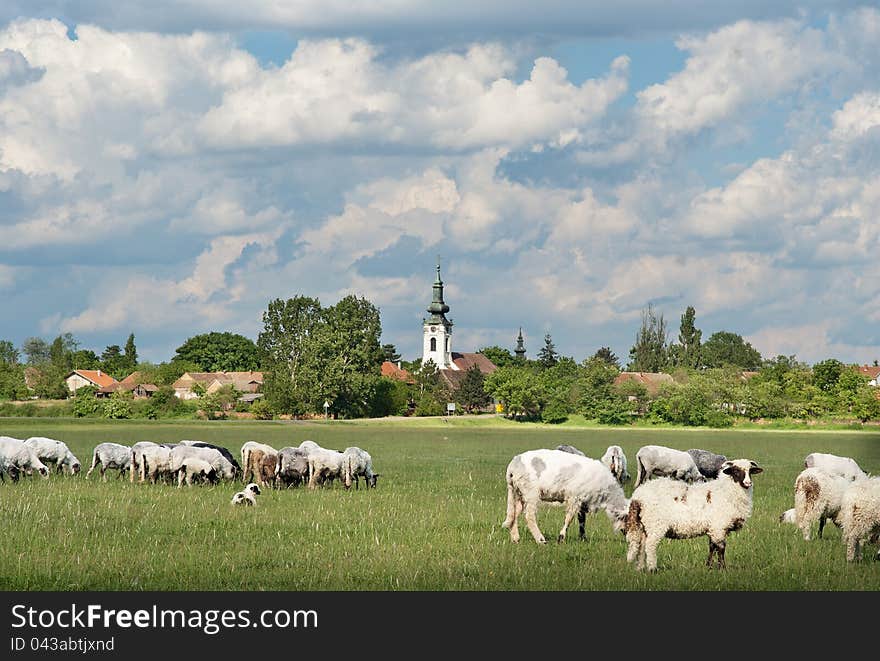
x,y
432,524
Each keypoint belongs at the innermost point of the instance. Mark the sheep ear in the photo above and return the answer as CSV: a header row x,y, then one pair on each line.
x,y
755,469
727,467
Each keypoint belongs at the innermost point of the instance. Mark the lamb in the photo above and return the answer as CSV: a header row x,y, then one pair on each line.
x,y
194,466
581,484
843,466
17,457
570,449
615,459
860,516
261,468
357,462
222,466
817,497
56,452
247,496
292,467
325,465
788,516
111,455
658,460
708,463
669,508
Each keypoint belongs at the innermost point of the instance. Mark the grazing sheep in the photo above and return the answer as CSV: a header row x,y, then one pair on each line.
x,y
256,469
325,465
670,508
818,496
860,516
708,463
248,496
194,466
570,449
581,484
615,459
665,462
357,462
155,462
111,455
56,452
292,467
223,467
16,457
136,459
224,451
788,516
308,446
834,465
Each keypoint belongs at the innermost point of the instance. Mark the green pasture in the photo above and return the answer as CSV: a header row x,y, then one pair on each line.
x,y
432,524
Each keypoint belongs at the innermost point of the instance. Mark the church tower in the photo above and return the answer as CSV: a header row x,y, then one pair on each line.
x,y
520,350
437,330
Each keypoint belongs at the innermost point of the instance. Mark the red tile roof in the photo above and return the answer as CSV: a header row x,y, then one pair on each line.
x,y
464,361
392,371
99,378
868,370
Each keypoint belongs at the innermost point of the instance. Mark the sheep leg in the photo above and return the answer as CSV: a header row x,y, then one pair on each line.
x,y
853,550
570,511
651,543
636,548
510,517
514,527
821,525
531,512
720,546
103,473
92,468
582,522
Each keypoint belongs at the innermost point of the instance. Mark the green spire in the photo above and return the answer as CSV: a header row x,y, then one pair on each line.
x,y
520,350
438,308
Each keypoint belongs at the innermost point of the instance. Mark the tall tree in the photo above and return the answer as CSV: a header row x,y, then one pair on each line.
x,y
130,355
36,349
650,352
724,348
389,351
499,356
827,373
219,352
606,355
689,336
471,394
8,353
547,356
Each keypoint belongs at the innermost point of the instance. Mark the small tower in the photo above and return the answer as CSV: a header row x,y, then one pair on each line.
x,y
437,330
520,350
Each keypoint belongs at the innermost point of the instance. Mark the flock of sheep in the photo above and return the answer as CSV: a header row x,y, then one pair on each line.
x,y
195,461
696,493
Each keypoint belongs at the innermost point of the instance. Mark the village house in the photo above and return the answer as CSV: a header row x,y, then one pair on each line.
x,y
211,382
133,383
80,378
652,381
873,373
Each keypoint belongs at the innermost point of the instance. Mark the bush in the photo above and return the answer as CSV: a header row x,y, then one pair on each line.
x,y
85,404
614,412
554,412
427,405
117,407
261,410
718,419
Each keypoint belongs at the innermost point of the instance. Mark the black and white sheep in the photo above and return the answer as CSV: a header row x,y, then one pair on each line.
x,y
670,508
657,460
17,457
55,452
615,459
110,455
831,463
860,516
292,467
581,484
224,451
223,468
708,463
818,496
247,496
192,467
358,463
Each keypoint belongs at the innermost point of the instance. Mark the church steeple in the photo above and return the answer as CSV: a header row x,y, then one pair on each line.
x,y
520,350
438,308
437,330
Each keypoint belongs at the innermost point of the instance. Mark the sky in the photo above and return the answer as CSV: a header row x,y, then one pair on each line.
x,y
168,168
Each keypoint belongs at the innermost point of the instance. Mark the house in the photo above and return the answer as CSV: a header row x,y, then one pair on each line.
x,y
210,382
463,362
133,384
80,378
873,374
652,381
396,372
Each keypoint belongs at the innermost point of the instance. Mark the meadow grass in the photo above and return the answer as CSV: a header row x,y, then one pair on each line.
x,y
432,524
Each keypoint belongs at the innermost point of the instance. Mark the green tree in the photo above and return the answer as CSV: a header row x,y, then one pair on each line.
x,y
12,384
85,359
113,362
687,351
724,348
36,349
547,356
219,352
8,353
130,354
518,388
499,356
471,394
650,351
606,355
595,386
391,397
389,351
61,352
827,373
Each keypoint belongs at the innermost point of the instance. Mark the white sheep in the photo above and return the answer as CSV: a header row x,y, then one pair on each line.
x,y
570,449
247,496
222,466
615,459
136,459
656,460
581,484
192,467
325,465
16,457
358,463
860,516
830,463
670,508
818,496
55,452
110,455
788,516
155,462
